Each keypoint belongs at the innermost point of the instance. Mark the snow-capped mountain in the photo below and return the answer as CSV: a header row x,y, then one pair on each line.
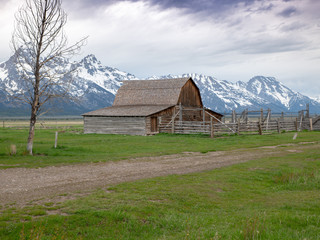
x,y
94,86
258,92
90,69
317,99
223,96
275,92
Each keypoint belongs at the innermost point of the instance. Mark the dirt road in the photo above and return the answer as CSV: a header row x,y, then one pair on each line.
x,y
22,185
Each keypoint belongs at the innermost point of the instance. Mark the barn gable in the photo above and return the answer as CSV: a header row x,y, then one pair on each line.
x,y
190,95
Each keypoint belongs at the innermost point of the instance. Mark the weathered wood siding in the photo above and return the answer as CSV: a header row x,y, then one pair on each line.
x,y
115,125
192,114
149,126
190,95
316,123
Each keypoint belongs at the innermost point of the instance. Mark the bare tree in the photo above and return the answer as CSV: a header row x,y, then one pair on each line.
x,y
40,45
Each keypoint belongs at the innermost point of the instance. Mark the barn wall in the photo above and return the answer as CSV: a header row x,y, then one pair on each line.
x,y
115,125
190,95
189,114
316,124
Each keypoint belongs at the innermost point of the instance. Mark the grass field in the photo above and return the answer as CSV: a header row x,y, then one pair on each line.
x,y
76,147
269,198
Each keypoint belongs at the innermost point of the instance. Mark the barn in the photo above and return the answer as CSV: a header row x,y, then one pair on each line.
x,y
143,107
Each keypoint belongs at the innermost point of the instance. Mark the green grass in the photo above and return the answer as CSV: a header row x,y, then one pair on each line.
x,y
270,198
76,147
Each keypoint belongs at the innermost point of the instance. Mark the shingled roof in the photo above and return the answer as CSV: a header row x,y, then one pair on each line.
x,y
143,97
128,111
150,92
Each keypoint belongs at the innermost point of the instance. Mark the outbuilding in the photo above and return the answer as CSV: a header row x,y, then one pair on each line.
x,y
143,107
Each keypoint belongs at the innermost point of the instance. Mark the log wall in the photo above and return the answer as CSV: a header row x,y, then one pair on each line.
x,y
115,125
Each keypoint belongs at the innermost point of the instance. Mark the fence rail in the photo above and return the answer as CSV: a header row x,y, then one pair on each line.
x,y
253,127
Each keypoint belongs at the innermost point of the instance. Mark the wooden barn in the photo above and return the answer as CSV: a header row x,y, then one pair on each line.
x,y
143,107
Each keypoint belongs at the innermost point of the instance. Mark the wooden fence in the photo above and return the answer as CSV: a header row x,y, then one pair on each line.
x,y
255,127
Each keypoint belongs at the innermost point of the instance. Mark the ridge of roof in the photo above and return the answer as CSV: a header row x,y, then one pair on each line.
x,y
155,80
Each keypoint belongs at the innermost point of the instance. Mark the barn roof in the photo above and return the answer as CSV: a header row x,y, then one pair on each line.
x,y
150,92
144,97
126,111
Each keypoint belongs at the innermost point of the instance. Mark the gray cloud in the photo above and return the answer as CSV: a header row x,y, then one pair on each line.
x,y
3,4
268,46
266,8
293,27
288,12
229,39
203,7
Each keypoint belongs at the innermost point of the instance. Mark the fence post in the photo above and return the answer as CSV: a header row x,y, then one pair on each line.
x,y
260,127
211,128
246,116
278,125
172,126
180,113
300,125
268,116
204,116
311,127
296,124
3,124
234,116
56,140
238,126
173,117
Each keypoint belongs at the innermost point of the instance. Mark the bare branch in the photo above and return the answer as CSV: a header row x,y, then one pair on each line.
x,y
40,43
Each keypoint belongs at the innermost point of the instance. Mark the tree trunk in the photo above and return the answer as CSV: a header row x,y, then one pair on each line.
x,y
33,120
35,103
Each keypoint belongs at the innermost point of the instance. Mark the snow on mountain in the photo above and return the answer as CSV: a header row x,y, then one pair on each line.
x,y
270,89
3,71
317,99
94,86
259,92
90,69
223,96
276,93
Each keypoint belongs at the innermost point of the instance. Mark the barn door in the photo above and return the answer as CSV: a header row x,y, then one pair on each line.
x,y
154,124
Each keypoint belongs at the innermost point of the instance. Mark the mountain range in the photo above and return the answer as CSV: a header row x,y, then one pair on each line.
x,y
94,86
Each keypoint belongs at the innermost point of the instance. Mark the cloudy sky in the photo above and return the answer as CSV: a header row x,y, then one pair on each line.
x,y
228,39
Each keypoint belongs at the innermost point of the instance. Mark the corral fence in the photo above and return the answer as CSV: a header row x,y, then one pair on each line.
x,y
186,127
247,122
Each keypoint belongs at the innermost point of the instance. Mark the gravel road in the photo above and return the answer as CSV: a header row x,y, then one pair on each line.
x,y
22,185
